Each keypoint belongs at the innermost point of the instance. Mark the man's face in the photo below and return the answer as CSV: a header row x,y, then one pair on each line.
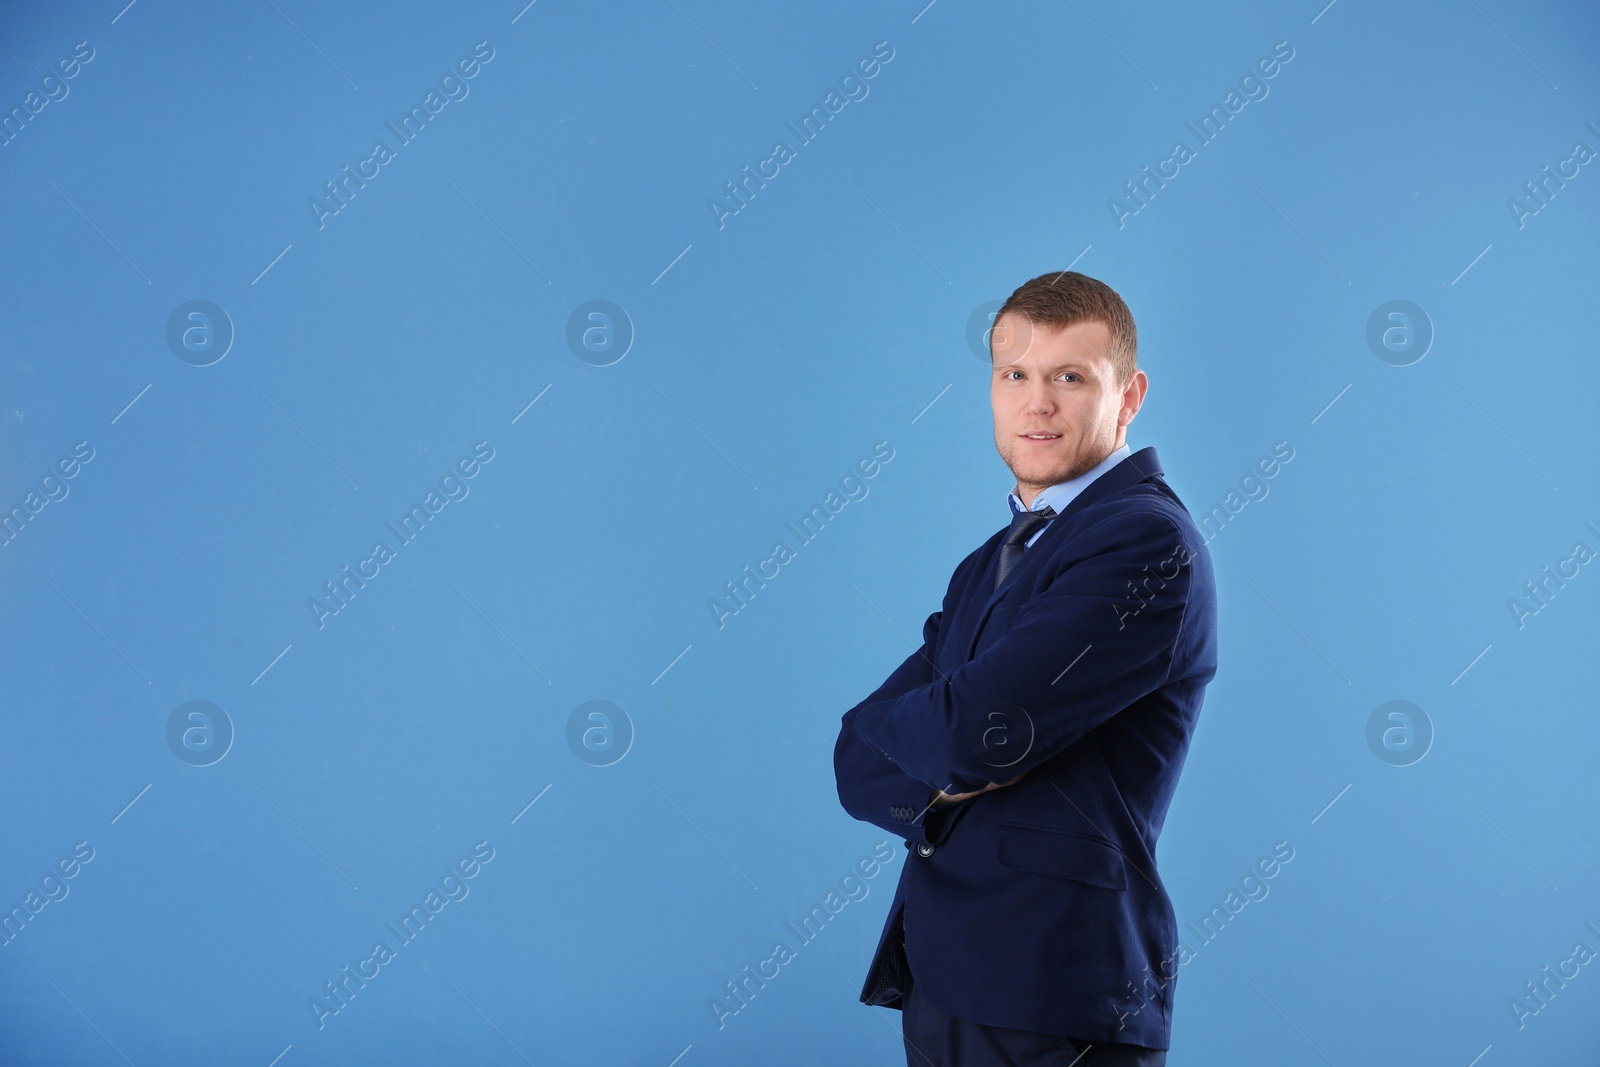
x,y
1058,409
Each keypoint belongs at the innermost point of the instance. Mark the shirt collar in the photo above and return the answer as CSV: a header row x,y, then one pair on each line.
x,y
1061,494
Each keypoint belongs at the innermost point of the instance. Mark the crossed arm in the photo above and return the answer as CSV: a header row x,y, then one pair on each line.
x,y
871,786
1094,641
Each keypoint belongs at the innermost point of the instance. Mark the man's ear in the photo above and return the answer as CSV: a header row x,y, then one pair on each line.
x,y
1133,394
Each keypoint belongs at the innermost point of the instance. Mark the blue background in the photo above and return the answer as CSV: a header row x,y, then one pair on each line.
x,y
769,354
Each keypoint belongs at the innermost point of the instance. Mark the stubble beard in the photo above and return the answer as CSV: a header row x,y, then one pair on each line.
x,y
1080,465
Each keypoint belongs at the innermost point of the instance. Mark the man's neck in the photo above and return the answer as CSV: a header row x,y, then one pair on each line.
x,y
1027,497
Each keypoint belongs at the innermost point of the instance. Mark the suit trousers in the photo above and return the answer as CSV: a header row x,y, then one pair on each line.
x,y
935,1039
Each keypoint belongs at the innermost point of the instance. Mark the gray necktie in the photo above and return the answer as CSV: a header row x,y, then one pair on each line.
x,y
1023,525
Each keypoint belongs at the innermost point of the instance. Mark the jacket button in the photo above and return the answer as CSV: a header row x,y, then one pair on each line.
x,y
924,851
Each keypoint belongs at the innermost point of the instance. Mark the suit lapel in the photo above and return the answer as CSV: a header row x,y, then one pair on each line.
x,y
1138,467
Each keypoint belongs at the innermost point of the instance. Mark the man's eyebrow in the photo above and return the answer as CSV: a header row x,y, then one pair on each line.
x,y
1071,364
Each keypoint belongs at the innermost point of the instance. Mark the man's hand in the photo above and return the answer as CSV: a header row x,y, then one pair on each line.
x,y
941,798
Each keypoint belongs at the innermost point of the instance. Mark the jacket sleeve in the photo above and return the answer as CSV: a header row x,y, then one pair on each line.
x,y
1098,638
871,787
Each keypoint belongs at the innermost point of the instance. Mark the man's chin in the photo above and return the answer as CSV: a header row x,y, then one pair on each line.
x,y
1041,470
1038,479
1043,476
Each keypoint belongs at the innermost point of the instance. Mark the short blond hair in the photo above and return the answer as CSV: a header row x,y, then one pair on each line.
x,y
1062,298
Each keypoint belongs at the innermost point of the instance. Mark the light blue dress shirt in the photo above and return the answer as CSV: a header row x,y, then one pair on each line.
x,y
1061,494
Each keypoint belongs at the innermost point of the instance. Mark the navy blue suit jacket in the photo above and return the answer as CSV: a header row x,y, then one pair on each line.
x,y
1038,905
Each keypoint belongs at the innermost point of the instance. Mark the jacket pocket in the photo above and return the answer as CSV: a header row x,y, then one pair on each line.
x,y
1068,854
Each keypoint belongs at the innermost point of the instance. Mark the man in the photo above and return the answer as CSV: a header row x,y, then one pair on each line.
x,y
1030,748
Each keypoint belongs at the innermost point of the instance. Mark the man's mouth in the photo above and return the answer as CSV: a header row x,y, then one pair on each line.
x,y
1040,436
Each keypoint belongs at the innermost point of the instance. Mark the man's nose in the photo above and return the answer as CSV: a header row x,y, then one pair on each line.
x,y
1040,401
